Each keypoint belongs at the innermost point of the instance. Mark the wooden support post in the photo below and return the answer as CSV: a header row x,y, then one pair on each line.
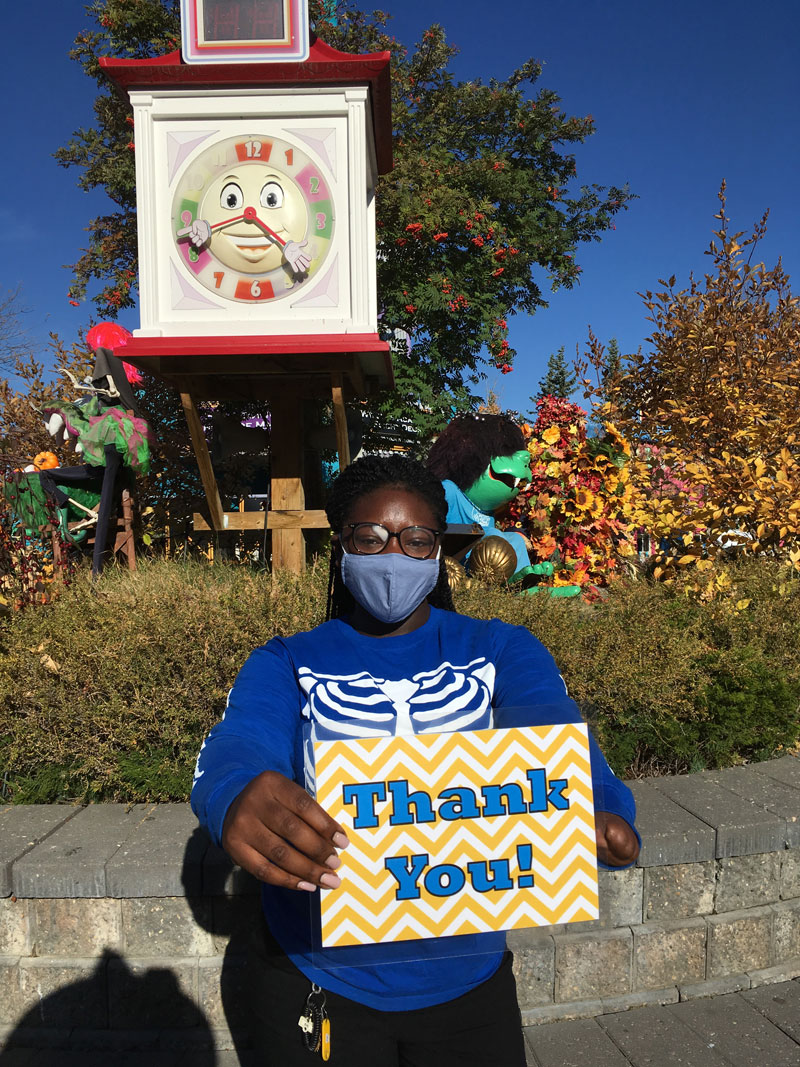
x,y
203,461
58,558
340,421
124,538
286,448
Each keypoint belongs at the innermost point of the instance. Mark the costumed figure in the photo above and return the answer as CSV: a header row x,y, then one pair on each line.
x,y
110,434
483,463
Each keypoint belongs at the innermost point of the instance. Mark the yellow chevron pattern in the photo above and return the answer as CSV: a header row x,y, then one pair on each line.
x,y
531,868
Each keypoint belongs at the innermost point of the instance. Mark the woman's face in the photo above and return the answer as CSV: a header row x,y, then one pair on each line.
x,y
393,508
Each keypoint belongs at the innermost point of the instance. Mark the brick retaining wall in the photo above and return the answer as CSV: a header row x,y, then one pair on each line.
x,y
123,927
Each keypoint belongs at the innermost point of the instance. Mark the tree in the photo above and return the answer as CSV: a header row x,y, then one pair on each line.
x,y
612,364
25,395
716,400
558,381
13,335
479,215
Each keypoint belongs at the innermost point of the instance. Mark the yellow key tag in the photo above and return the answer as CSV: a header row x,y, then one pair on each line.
x,y
326,1039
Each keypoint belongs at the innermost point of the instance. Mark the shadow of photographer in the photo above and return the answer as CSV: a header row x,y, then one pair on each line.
x,y
117,1008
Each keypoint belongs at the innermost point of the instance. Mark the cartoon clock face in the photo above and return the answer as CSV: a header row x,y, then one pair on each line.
x,y
253,218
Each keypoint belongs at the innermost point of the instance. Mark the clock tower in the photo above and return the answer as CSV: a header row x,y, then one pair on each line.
x,y
255,184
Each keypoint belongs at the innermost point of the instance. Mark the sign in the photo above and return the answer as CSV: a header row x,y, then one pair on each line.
x,y
244,31
459,833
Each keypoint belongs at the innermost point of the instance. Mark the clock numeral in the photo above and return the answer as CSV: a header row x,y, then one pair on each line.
x,y
289,153
194,255
322,218
259,289
313,182
218,276
253,150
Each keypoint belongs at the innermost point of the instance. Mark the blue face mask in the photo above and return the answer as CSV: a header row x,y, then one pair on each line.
x,y
389,585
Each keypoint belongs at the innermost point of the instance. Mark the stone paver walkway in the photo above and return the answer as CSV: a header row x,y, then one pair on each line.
x,y
756,1028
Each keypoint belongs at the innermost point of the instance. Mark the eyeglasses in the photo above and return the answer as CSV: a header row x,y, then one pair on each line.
x,y
370,538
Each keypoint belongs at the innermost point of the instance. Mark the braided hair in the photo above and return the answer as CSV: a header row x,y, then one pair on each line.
x,y
365,476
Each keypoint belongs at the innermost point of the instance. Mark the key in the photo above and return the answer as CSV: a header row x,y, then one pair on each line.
x,y
311,1021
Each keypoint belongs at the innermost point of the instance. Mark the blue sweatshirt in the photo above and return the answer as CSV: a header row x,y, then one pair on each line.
x,y
453,673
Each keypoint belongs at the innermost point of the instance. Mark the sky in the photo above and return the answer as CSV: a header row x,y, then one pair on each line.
x,y
683,95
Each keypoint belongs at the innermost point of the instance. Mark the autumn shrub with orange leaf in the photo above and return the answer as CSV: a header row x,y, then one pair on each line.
x,y
715,396
581,509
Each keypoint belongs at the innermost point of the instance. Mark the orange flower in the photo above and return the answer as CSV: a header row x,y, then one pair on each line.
x,y
551,435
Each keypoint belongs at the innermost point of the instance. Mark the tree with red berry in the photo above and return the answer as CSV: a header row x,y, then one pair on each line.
x,y
479,218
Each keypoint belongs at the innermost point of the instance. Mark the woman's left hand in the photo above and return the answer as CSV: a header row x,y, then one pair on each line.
x,y
617,844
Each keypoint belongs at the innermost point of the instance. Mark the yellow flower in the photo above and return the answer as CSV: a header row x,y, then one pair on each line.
x,y
551,435
553,469
584,499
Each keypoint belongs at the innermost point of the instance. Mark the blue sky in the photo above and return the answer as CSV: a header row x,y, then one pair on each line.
x,y
683,95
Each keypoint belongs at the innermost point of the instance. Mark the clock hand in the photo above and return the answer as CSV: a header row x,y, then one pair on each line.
x,y
199,233
293,252
251,216
227,222
248,215
187,230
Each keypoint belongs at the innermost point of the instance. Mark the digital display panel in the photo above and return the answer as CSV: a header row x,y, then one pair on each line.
x,y
244,31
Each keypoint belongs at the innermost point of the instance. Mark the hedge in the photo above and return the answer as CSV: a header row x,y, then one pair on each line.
x,y
106,693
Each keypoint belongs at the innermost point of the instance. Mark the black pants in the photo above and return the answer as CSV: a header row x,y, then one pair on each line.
x,y
482,1028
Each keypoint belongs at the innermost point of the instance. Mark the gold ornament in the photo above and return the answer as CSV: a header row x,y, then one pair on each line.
x,y
456,575
493,559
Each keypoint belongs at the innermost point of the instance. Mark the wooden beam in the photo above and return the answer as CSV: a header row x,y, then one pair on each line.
x,y
340,420
286,461
203,460
276,520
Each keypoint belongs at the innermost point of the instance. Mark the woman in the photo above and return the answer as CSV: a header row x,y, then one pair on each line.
x,y
391,631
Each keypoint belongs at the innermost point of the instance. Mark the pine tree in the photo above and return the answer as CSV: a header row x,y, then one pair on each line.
x,y
613,362
559,381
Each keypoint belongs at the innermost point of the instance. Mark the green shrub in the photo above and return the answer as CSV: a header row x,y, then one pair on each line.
x,y
106,693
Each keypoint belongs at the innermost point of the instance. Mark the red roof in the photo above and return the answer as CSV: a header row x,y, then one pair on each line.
x,y
324,66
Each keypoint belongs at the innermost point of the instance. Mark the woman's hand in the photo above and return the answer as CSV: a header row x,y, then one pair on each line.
x,y
278,833
617,844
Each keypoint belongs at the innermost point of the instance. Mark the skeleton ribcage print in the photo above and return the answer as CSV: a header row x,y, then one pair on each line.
x,y
448,698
